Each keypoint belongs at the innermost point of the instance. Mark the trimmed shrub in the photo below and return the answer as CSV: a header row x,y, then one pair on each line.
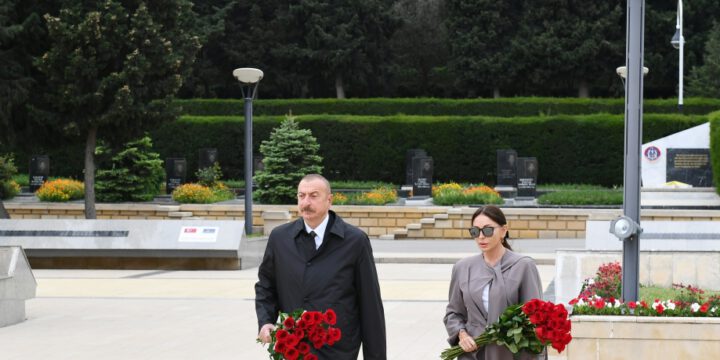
x,y
455,194
192,193
503,107
378,196
61,190
715,148
136,174
582,197
569,149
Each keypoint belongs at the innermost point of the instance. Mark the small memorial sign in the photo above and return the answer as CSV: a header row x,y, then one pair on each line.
x,y
422,176
690,166
527,172
39,171
176,173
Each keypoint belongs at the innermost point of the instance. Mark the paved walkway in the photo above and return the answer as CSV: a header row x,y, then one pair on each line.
x,y
113,314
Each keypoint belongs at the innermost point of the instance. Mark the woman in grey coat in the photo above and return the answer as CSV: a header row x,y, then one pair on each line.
x,y
484,285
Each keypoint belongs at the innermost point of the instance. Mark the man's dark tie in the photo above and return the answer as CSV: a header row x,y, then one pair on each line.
x,y
309,245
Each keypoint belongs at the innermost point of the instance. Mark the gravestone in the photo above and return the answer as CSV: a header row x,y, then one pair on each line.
x,y
527,172
506,173
422,176
39,171
409,156
207,157
506,161
175,172
257,164
690,166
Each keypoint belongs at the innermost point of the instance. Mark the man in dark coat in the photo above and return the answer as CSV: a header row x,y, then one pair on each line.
x,y
320,262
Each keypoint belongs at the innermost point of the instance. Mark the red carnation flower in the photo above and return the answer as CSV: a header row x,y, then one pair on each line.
x,y
292,354
310,357
289,323
330,317
303,348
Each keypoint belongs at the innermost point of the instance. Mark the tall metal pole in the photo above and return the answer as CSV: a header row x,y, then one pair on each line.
x,y
248,160
682,45
634,49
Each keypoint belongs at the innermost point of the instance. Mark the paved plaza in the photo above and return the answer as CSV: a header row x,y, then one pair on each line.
x,y
148,314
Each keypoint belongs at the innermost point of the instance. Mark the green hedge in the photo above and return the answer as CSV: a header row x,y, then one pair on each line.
x,y
715,147
504,107
570,149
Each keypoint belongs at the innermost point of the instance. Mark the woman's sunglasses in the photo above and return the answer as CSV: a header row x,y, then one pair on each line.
x,y
486,231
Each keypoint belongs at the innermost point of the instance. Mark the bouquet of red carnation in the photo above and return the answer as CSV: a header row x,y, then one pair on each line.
x,y
297,331
528,327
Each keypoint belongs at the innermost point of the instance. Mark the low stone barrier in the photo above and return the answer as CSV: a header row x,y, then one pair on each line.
x,y
17,284
131,244
641,337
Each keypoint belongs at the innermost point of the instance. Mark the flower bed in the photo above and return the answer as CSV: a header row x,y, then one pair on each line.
x,y
640,337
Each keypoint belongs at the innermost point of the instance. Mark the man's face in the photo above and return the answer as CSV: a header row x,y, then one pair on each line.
x,y
314,200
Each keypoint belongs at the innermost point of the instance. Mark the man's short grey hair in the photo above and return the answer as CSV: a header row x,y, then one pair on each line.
x,y
311,177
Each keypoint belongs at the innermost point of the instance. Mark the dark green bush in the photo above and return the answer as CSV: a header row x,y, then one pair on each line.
x,y
136,174
570,149
8,187
582,197
715,148
503,107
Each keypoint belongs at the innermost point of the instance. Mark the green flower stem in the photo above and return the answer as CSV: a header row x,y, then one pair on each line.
x,y
455,351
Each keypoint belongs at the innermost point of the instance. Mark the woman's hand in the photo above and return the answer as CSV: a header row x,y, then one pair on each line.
x,y
467,343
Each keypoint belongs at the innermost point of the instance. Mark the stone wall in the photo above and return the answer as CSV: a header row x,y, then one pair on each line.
x,y
387,222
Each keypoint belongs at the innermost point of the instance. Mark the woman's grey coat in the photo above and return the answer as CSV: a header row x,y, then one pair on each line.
x,y
513,280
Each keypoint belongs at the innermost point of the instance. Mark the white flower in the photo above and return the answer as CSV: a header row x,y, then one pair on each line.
x,y
713,309
669,305
591,281
695,307
581,302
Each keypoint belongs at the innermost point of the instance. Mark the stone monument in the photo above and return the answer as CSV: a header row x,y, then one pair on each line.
x,y
527,172
422,176
175,172
506,173
39,171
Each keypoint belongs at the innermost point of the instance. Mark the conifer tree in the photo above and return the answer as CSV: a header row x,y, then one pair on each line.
x,y
289,155
135,174
113,67
705,79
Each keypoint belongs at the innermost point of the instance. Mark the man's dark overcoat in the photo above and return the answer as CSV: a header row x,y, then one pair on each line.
x,y
341,276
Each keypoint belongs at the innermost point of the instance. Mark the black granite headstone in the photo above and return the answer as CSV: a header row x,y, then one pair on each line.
x,y
258,164
690,166
422,176
506,161
527,172
409,156
39,171
176,173
207,157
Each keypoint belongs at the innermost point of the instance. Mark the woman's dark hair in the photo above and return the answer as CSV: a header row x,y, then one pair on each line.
x,y
495,214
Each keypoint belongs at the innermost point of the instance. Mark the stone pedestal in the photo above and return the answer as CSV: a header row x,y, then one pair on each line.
x,y
17,284
273,219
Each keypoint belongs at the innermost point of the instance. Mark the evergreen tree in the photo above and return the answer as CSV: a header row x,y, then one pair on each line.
x,y
289,155
705,79
7,185
344,41
135,174
113,68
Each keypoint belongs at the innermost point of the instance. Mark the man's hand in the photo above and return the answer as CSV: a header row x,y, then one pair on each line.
x,y
264,334
467,343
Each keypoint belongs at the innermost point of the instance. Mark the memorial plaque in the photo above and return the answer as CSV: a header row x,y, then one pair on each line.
x,y
175,172
422,176
409,156
506,161
527,171
258,164
207,158
690,166
39,171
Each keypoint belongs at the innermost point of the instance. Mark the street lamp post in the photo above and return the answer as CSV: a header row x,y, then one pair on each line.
x,y
249,79
678,42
